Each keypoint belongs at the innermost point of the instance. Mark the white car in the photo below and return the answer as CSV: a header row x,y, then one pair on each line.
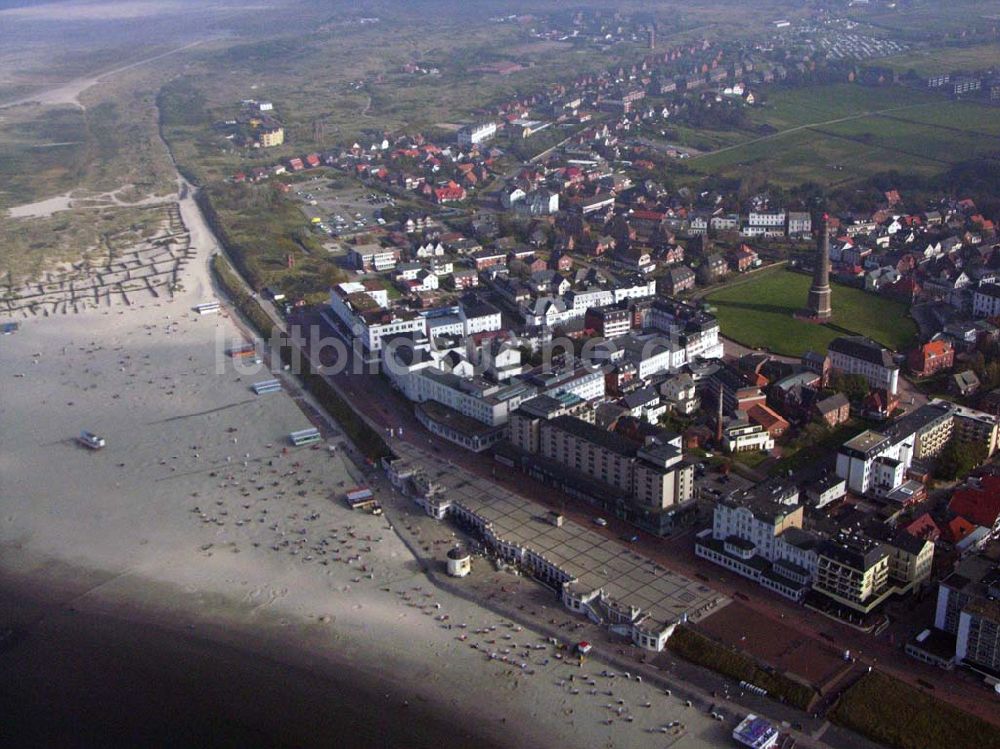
x,y
601,522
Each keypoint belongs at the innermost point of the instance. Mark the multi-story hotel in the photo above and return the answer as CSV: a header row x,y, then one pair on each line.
x,y
853,571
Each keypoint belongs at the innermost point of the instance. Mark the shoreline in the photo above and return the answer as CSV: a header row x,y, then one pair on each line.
x,y
149,656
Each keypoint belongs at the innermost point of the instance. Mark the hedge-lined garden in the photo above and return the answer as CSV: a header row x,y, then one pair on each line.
x,y
706,652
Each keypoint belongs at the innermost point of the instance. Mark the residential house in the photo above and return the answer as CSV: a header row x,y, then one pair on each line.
x,y
744,258
712,268
930,358
677,279
986,300
834,410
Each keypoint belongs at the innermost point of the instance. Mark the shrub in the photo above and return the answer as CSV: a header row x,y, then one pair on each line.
x,y
706,652
891,712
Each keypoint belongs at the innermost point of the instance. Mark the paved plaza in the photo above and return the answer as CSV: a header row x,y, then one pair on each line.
x,y
593,559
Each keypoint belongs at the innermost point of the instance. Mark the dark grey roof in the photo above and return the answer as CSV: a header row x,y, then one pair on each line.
x,y
860,347
542,405
834,403
857,552
582,430
641,397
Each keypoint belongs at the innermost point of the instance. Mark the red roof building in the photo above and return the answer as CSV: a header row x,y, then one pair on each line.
x,y
956,529
931,357
980,503
924,527
771,421
450,193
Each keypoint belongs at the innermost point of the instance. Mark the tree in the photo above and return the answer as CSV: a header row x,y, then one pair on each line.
x,y
855,386
958,458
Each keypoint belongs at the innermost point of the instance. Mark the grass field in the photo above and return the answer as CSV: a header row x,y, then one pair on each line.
x,y
946,59
759,313
842,133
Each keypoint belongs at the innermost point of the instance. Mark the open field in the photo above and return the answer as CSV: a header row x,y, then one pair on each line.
x,y
843,133
947,59
759,313
792,107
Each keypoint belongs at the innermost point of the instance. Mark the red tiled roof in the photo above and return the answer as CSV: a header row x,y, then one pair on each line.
x,y
923,527
956,529
980,505
767,418
936,348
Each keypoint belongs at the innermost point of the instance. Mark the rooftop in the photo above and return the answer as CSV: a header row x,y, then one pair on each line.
x,y
583,430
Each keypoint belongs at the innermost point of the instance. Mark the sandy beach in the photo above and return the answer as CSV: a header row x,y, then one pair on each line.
x,y
197,517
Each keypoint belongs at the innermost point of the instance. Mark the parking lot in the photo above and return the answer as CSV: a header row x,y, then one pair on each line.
x,y
337,211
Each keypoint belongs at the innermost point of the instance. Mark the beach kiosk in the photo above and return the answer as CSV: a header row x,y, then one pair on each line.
x,y
459,562
756,732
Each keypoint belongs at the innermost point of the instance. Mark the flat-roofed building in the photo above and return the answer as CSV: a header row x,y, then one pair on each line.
x,y
853,571
968,611
654,475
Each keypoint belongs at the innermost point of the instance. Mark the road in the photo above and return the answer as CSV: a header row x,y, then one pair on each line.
x,y
69,93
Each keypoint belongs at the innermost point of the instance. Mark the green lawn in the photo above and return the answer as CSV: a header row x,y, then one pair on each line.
x,y
791,107
946,59
841,133
760,313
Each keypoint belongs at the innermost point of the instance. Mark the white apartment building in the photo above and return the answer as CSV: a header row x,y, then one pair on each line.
x,y
696,331
758,534
639,289
369,322
474,134
767,218
651,355
857,355
579,301
744,436
986,300
416,374
799,223
871,461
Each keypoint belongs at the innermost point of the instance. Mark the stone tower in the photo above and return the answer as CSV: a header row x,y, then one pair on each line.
x,y
819,293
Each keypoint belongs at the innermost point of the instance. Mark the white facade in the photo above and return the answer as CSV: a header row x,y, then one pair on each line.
x,y
767,218
371,334
746,437
473,134
878,376
636,290
986,301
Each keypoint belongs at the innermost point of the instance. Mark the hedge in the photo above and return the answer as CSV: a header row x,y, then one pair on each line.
x,y
706,652
891,712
